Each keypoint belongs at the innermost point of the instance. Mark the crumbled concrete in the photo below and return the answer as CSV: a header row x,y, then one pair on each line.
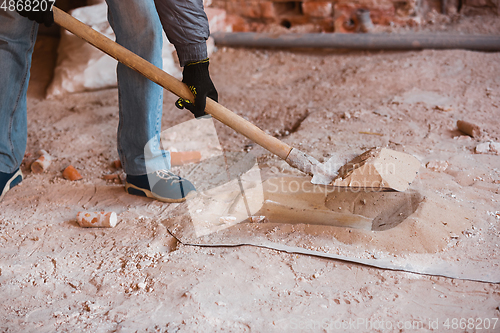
x,y
438,166
379,168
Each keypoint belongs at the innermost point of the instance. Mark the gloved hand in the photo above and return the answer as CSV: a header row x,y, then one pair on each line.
x,y
195,75
39,11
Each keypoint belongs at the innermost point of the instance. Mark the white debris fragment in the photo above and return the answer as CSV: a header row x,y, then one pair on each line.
x,y
495,147
488,147
258,219
495,214
42,163
438,166
97,219
483,148
462,138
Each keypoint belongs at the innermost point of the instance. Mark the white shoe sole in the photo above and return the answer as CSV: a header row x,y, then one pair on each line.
x,y
7,186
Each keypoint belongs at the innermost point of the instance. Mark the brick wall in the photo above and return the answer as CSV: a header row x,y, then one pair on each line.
x,y
481,7
339,15
327,15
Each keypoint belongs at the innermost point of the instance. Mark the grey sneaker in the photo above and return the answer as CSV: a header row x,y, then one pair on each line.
x,y
8,181
161,185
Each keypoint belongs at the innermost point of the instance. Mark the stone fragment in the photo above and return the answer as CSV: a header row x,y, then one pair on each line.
x,y
463,138
438,166
483,148
488,147
495,147
379,168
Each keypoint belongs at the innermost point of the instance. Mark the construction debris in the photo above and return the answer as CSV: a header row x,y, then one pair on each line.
x,y
438,166
112,178
42,163
117,164
97,219
379,168
469,128
70,173
488,147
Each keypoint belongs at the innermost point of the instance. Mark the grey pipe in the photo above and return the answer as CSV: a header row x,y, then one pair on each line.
x,y
379,41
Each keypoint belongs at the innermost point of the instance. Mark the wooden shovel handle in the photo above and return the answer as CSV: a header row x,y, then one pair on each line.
x,y
168,82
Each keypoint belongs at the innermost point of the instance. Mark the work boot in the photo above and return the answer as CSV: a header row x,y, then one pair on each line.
x,y
8,181
161,185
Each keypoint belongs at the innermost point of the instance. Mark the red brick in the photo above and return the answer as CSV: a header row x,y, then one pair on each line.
x,y
365,3
379,15
216,19
237,23
317,8
252,9
244,8
267,10
382,16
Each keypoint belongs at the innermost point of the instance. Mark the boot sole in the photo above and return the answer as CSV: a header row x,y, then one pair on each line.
x,y
7,187
150,194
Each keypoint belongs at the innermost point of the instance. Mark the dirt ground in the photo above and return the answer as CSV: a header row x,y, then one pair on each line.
x,y
136,277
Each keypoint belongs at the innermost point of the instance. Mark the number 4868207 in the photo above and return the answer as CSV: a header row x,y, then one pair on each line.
x,y
470,323
27,5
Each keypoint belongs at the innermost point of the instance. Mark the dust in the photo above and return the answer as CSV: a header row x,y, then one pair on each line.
x,y
57,276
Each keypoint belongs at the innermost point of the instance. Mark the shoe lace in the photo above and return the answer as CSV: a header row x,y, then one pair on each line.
x,y
167,175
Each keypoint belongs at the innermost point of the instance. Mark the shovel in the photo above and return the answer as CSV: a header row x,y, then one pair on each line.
x,y
292,156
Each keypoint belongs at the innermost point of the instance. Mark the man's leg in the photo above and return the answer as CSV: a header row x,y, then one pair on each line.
x,y
17,40
137,27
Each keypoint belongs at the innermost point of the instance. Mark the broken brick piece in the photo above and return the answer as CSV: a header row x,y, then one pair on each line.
x,y
117,164
469,128
42,163
112,176
379,168
96,219
70,173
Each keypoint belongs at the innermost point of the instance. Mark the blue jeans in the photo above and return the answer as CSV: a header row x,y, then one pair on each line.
x,y
138,28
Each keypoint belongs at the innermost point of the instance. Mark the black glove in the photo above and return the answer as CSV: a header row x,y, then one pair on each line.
x,y
37,10
195,75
